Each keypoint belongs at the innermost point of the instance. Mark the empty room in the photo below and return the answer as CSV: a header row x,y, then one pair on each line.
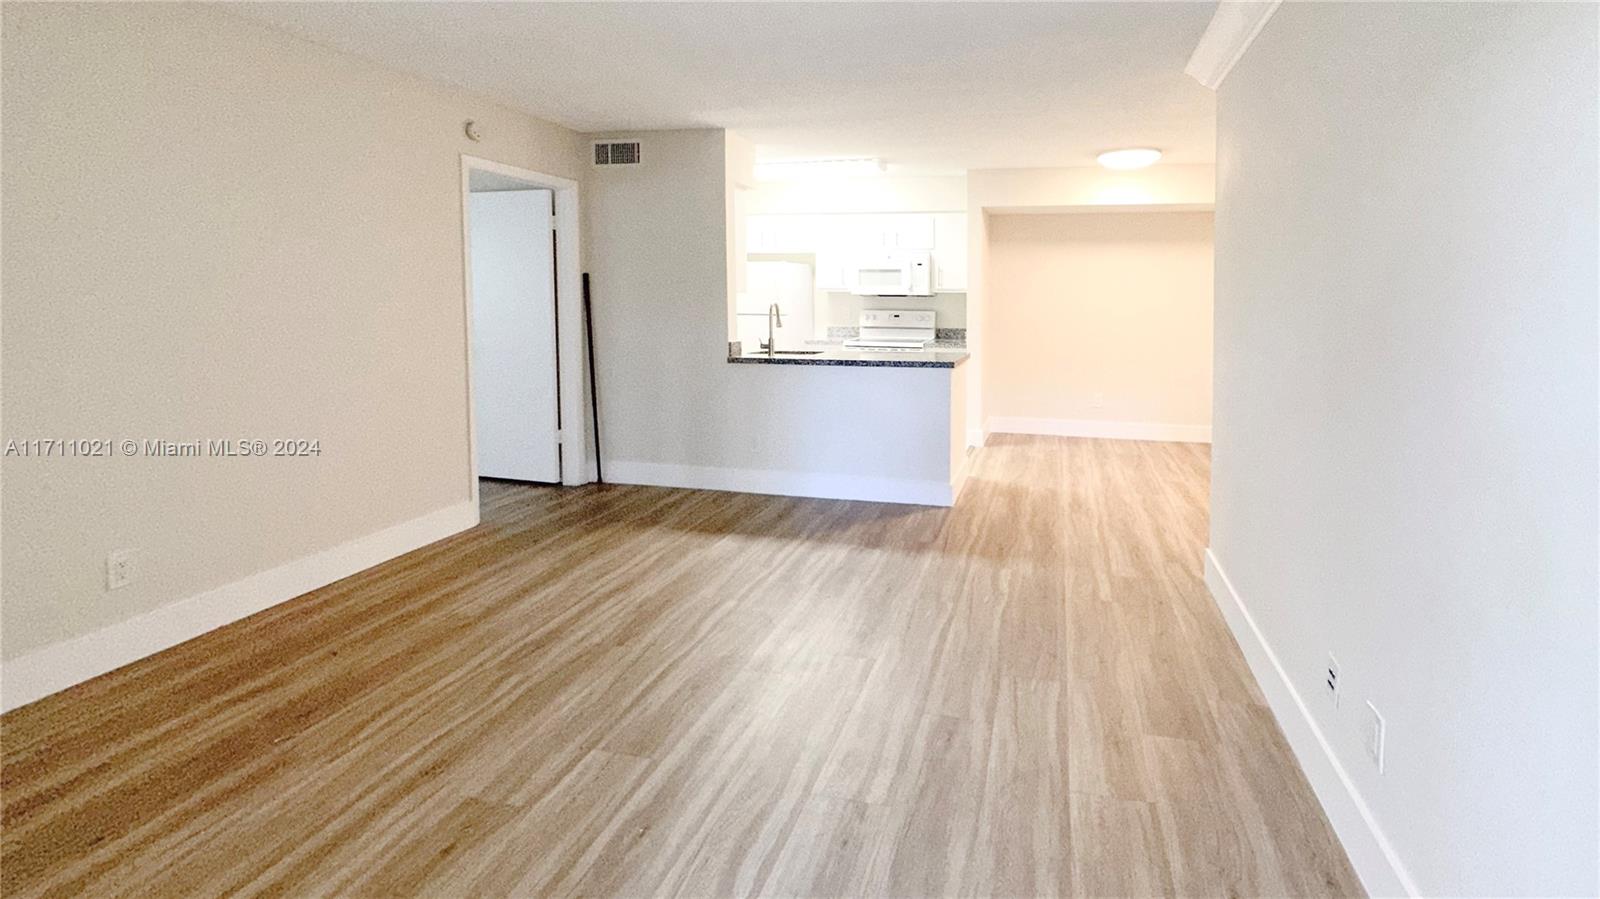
x,y
1097,449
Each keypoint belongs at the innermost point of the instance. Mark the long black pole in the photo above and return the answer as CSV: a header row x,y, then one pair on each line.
x,y
594,394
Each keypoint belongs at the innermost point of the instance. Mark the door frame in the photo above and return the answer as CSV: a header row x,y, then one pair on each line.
x,y
570,373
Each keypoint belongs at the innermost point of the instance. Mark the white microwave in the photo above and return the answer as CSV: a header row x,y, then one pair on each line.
x,y
893,273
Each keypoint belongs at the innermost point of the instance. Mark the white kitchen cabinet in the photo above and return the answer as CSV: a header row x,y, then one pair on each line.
x,y
832,263
857,234
782,233
908,231
950,251
836,241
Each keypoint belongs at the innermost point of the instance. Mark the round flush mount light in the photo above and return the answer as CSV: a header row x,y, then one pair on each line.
x,y
1134,158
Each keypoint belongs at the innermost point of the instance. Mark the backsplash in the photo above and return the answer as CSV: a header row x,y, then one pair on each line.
x,y
945,337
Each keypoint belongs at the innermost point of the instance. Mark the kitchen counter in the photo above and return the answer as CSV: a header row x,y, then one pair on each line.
x,y
934,357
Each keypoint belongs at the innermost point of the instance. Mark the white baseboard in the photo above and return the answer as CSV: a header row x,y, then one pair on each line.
x,y
782,483
1374,858
56,667
1090,427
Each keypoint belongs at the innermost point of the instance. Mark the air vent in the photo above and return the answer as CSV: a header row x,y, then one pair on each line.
x,y
616,152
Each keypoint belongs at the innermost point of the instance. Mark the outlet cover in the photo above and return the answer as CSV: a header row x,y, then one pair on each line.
x,y
119,569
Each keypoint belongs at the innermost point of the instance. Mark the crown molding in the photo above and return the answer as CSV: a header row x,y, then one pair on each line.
x,y
1233,26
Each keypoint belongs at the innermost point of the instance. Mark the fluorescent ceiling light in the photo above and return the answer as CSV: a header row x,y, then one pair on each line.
x,y
1136,158
796,169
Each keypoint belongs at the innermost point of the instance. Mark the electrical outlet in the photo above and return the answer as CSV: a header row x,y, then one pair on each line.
x,y
119,569
1332,679
1375,736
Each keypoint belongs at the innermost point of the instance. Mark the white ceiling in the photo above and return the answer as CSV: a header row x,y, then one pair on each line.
x,y
925,86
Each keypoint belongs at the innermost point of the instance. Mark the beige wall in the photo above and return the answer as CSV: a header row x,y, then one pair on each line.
x,y
1114,305
1162,187
213,229
674,411
1406,469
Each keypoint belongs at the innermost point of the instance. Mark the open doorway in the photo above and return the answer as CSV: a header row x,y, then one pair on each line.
x,y
1099,324
524,351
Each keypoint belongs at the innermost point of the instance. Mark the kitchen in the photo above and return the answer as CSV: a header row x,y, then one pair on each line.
x,y
823,281
862,275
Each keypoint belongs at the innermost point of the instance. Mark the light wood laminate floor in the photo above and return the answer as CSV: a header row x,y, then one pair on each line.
x,y
641,691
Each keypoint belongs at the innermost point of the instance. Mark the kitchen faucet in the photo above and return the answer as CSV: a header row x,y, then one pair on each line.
x,y
774,320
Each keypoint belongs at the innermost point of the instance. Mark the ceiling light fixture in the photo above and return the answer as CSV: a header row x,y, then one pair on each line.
x,y
797,169
1134,158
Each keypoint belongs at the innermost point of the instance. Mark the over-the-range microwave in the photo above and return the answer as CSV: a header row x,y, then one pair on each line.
x,y
893,273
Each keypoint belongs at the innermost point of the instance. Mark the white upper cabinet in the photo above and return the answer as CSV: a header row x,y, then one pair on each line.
x,y
908,231
782,233
837,240
950,251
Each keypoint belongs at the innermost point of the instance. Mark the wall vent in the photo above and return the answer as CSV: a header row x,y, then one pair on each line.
x,y
616,152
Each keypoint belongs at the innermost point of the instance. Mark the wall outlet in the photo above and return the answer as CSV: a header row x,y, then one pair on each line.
x,y
1375,736
119,569
1331,678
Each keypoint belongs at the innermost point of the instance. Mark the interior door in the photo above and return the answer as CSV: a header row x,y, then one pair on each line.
x,y
514,335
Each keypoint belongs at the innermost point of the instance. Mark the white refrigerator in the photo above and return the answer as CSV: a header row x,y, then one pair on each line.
x,y
789,284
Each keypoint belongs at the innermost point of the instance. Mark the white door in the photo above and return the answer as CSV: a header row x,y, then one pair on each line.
x,y
514,335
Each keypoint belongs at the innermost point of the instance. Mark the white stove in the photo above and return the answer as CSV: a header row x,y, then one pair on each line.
x,y
906,330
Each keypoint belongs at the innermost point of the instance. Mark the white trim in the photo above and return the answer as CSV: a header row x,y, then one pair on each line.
x,y
783,483
576,467
1371,854
1233,26
977,437
60,665
1091,427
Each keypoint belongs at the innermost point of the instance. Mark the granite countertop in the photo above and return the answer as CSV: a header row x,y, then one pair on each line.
x,y
834,354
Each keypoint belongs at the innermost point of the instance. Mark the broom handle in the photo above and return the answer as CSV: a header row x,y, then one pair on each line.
x,y
594,393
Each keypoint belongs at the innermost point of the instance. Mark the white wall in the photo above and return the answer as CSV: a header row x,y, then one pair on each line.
x,y
214,229
877,193
1100,325
1405,463
674,411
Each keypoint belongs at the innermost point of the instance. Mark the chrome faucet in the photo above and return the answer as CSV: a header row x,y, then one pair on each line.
x,y
774,320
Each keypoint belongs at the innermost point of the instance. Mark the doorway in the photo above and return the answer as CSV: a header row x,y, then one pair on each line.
x,y
523,318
